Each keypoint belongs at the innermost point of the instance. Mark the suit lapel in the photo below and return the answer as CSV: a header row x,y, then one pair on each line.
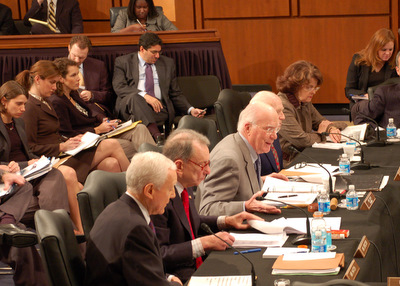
x,y
5,135
135,69
180,211
161,71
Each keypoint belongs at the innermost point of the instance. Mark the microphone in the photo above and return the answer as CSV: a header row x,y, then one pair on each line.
x,y
302,238
294,149
358,165
208,230
373,143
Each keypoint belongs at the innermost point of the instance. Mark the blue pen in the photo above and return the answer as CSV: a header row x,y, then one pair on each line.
x,y
108,121
248,251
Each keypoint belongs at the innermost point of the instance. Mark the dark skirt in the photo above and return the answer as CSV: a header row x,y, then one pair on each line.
x,y
81,163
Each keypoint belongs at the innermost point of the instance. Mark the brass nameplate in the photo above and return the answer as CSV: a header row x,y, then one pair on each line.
x,y
368,202
362,247
352,271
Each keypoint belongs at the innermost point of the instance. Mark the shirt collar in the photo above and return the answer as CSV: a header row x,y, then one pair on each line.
x,y
179,188
145,212
253,153
141,60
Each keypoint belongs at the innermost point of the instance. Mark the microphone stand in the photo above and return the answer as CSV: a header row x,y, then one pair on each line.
x,y
208,230
358,165
302,238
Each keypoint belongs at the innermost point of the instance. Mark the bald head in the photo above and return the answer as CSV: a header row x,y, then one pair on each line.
x,y
269,98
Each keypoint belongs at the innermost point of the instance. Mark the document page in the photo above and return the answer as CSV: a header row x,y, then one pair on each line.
x,y
240,280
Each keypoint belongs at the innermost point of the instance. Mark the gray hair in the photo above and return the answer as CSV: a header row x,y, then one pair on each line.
x,y
251,114
179,144
146,168
267,97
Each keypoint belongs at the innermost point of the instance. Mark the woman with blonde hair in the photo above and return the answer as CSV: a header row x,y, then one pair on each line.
x,y
372,65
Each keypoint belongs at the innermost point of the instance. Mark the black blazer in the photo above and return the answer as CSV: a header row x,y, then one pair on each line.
x,y
268,164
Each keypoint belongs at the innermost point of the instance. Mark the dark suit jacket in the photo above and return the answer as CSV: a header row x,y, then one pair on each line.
x,y
68,17
174,236
5,144
357,77
122,249
7,25
126,79
72,121
97,81
268,164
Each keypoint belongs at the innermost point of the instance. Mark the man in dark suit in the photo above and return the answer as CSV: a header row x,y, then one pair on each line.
x,y
95,85
272,161
182,241
7,25
122,248
68,17
147,88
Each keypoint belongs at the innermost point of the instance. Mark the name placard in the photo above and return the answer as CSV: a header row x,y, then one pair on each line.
x,y
352,271
397,177
362,247
368,202
393,281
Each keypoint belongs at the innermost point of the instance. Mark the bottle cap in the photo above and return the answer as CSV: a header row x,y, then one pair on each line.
x,y
318,214
351,188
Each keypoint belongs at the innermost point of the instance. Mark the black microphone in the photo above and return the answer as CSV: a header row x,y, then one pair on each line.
x,y
358,165
302,238
208,230
294,149
376,142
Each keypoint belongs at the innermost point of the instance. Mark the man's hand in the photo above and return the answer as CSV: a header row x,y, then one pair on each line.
x,y
9,179
253,205
13,167
197,112
278,176
176,279
40,2
86,95
210,242
236,221
336,137
154,102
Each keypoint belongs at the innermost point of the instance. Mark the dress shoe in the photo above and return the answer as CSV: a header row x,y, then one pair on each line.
x,y
12,235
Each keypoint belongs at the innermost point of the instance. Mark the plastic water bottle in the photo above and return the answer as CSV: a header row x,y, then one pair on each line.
x,y
351,198
318,233
344,165
391,130
324,204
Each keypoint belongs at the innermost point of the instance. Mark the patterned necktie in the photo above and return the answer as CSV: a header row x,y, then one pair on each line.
x,y
52,18
149,83
278,166
152,227
185,201
257,167
81,80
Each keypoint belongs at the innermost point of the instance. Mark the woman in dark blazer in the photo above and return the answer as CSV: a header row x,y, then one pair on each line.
x,y
372,65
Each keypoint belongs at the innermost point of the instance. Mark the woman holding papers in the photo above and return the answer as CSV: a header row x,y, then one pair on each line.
x,y
49,190
303,124
42,129
76,118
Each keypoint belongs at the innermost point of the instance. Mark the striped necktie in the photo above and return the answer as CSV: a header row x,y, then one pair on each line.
x,y
52,18
276,157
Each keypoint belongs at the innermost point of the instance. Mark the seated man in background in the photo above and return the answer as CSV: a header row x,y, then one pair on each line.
x,y
122,248
7,25
94,85
62,16
235,178
272,161
146,87
182,241
384,105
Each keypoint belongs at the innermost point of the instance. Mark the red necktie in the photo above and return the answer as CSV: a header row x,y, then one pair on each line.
x,y
185,201
275,157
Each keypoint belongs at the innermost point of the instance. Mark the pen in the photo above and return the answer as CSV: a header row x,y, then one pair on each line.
x,y
137,20
108,121
248,251
288,196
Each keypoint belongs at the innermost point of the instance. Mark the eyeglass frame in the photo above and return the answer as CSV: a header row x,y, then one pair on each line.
x,y
309,88
269,129
155,52
202,166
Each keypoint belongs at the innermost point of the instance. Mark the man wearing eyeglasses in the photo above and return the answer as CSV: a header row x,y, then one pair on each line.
x,y
147,89
183,243
235,178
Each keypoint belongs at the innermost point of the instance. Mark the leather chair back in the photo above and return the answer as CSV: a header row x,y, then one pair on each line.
x,y
59,249
101,188
227,109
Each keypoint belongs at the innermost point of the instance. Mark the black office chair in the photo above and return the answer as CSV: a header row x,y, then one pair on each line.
x,y
101,188
207,127
115,10
59,249
371,90
227,109
251,88
145,147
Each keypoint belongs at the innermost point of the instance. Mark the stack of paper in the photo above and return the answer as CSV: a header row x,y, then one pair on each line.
x,y
274,227
251,240
281,186
299,199
274,252
240,280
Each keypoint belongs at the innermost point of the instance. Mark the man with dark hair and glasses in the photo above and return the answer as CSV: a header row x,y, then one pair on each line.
x,y
183,243
146,87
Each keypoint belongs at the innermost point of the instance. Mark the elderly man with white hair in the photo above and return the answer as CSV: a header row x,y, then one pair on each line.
x,y
122,247
235,178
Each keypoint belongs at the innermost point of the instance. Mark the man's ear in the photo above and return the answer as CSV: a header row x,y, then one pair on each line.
x,y
179,166
148,191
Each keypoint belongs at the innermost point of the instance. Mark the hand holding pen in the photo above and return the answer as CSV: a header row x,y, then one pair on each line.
x,y
143,27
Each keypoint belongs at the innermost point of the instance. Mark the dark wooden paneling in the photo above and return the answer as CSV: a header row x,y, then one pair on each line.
x,y
95,10
260,54
13,4
245,9
343,7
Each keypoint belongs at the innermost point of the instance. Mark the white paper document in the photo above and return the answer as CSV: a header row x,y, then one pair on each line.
x,y
88,140
239,280
274,252
272,228
290,198
308,256
250,240
280,186
300,223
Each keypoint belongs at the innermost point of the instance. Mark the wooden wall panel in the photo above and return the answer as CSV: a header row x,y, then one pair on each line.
x,y
245,9
343,7
14,6
260,54
98,11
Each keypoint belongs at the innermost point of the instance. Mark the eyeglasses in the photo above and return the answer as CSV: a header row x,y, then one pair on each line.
x,y
202,166
311,88
269,129
155,52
